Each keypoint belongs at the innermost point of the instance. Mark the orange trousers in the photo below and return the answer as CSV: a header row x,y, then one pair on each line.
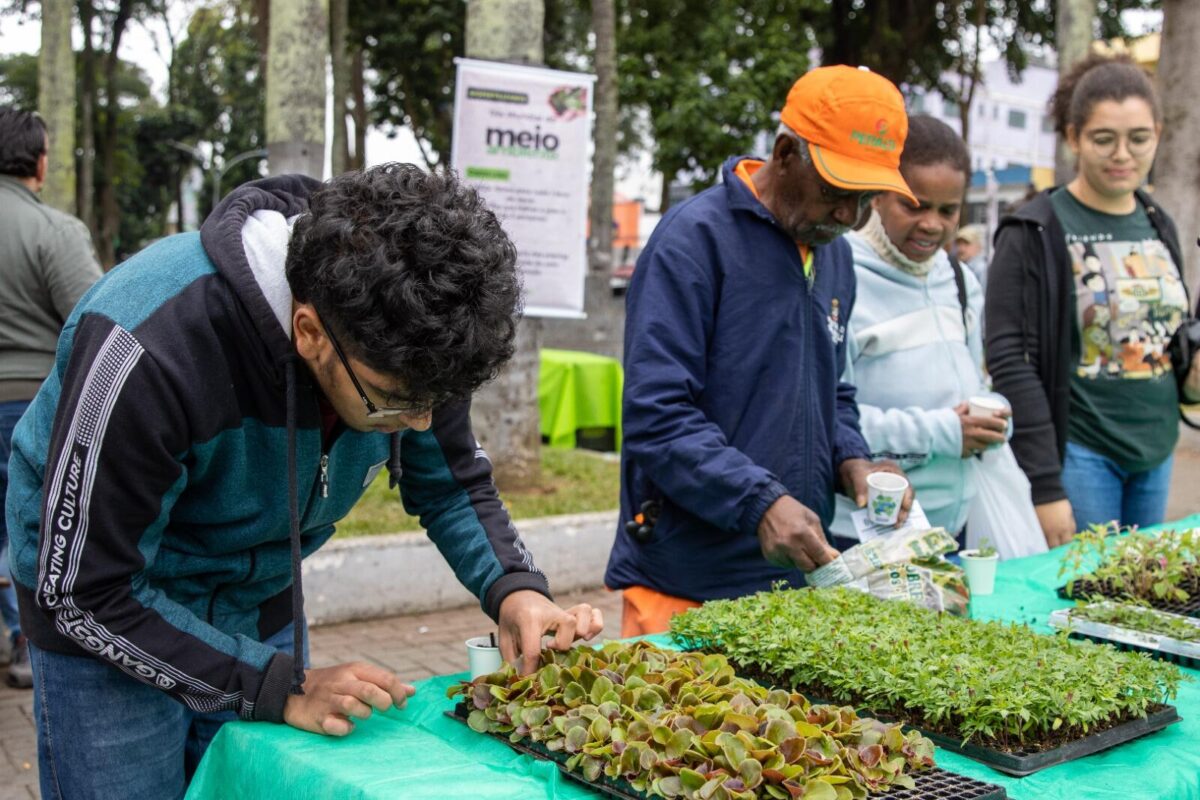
x,y
647,611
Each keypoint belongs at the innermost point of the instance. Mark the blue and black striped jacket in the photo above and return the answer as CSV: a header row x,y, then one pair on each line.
x,y
148,505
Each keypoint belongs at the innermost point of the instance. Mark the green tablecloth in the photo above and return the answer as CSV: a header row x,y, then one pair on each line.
x,y
578,390
419,753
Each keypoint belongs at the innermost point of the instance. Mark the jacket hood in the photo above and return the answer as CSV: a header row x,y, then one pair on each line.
x,y
224,237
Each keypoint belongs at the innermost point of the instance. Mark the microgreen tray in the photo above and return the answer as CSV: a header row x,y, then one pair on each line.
x,y
1017,763
930,784
1086,588
1186,654
1022,763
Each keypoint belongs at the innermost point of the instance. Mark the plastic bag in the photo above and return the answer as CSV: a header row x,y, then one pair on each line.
x,y
1002,511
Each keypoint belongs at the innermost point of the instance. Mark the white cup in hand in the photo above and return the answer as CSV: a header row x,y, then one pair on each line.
x,y
885,493
984,407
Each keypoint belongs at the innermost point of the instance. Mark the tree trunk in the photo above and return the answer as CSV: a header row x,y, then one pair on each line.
x,y
56,102
359,113
110,212
605,154
969,75
1177,167
506,30
1073,35
340,66
85,190
664,195
296,87
506,411
262,33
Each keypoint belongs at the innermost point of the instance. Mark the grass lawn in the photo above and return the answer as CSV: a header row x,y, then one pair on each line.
x,y
573,481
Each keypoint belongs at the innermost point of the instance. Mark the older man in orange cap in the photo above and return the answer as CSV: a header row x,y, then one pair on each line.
x,y
737,427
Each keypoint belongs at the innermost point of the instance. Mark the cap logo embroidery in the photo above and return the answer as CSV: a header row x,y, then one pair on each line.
x,y
874,141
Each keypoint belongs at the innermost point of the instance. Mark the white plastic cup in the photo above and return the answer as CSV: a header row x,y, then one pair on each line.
x,y
984,407
483,657
885,492
980,572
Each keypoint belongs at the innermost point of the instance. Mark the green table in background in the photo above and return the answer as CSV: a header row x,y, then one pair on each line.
x,y
577,391
419,754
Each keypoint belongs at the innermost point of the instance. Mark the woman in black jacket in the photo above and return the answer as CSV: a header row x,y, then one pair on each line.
x,y
1083,294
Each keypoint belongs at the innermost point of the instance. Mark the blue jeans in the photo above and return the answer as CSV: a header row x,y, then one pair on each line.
x,y
103,734
9,414
1101,491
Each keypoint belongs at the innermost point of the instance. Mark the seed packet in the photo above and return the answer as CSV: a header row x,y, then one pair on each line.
x,y
905,565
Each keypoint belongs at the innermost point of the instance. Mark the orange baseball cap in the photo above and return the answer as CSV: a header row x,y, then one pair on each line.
x,y
855,124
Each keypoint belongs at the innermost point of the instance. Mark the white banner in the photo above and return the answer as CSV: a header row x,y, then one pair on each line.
x,y
522,137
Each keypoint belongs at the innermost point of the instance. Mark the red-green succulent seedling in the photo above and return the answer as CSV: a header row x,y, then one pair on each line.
x,y
684,725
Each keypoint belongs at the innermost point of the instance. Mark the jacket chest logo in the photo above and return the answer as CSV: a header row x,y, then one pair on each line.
x,y
837,331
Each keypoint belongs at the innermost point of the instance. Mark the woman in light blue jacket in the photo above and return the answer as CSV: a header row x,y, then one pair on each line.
x,y
914,347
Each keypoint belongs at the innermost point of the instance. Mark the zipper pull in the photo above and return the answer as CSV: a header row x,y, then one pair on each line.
x,y
324,475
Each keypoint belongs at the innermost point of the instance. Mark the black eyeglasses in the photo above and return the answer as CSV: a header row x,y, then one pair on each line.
x,y
374,411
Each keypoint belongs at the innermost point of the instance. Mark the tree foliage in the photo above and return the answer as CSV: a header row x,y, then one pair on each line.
x,y
702,78
138,159
410,47
217,86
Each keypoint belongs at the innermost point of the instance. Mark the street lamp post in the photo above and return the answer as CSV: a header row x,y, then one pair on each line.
x,y
230,164
209,164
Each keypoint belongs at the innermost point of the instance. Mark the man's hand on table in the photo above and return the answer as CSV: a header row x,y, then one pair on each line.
x,y
791,536
854,472
335,696
525,616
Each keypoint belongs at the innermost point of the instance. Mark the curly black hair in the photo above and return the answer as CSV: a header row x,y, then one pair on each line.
x,y
22,142
414,274
931,141
1097,78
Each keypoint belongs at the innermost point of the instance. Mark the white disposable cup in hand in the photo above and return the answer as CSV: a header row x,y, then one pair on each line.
x,y
885,492
483,657
985,407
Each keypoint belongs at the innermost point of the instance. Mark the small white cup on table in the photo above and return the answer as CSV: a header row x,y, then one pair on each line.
x,y
483,656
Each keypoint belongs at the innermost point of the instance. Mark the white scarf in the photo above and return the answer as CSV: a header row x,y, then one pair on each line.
x,y
877,237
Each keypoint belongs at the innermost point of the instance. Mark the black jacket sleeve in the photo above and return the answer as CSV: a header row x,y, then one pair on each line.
x,y
446,481
1014,308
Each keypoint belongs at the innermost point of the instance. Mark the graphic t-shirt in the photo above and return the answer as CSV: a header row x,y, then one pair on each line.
x,y
1128,301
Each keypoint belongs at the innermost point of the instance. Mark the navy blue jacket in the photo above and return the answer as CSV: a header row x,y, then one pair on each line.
x,y
732,393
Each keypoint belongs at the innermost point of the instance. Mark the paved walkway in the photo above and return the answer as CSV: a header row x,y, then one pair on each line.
x,y
423,645
414,647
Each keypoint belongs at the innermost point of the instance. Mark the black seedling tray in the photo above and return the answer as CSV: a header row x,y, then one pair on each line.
x,y
1085,589
931,784
1021,762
